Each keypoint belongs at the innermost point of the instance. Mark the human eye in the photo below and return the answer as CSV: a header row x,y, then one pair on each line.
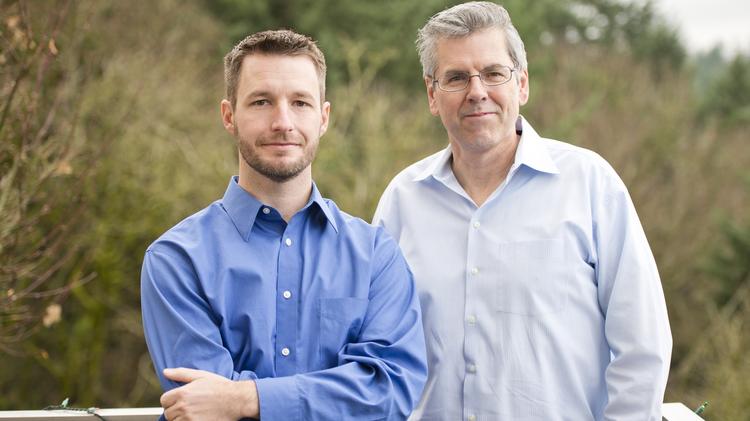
x,y
259,102
455,77
496,75
454,80
300,103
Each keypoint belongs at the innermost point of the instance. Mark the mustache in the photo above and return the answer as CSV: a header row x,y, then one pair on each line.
x,y
285,137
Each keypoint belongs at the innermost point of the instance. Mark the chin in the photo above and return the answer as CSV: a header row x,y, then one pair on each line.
x,y
485,139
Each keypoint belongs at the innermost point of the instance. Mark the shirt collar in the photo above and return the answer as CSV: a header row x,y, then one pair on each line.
x,y
322,204
242,207
531,152
437,166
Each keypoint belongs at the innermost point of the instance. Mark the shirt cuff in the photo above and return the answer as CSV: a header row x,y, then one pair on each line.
x,y
244,375
278,398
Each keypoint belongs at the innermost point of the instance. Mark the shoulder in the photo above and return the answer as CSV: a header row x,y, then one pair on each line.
x,y
409,183
569,154
360,233
352,226
417,170
582,165
190,234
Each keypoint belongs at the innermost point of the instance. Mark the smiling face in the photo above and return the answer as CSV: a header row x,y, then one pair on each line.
x,y
279,116
478,118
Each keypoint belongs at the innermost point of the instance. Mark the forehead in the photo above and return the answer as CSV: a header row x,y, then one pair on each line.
x,y
278,73
476,51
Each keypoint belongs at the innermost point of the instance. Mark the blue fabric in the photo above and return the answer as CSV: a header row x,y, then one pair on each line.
x,y
234,287
545,302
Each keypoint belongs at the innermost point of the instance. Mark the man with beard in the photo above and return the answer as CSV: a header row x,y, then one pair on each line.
x,y
272,302
540,296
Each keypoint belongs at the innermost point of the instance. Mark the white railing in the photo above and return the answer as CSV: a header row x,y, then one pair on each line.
x,y
94,414
671,412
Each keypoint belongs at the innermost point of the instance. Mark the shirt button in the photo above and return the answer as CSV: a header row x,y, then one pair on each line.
x,y
471,368
476,224
474,271
285,352
288,242
287,294
472,417
266,211
471,320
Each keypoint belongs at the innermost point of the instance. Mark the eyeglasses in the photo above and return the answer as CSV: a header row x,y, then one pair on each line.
x,y
458,81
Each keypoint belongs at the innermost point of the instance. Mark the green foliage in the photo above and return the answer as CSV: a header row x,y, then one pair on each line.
x,y
384,28
652,40
143,126
40,197
727,97
731,264
387,29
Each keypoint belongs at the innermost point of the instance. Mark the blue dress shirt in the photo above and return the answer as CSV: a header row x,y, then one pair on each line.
x,y
545,302
321,312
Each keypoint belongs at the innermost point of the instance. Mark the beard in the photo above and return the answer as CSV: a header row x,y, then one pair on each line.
x,y
275,170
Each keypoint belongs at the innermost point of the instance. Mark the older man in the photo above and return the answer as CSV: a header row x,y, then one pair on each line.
x,y
272,302
540,296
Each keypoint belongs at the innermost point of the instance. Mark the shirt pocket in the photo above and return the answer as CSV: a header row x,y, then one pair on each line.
x,y
531,277
340,323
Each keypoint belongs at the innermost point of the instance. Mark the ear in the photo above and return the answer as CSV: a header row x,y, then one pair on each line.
x,y
431,95
523,87
325,113
227,117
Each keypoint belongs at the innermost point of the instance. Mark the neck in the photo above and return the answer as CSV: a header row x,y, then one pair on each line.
x,y
287,197
481,172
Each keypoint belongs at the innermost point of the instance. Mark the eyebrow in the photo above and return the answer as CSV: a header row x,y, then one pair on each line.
x,y
303,94
484,69
495,66
264,93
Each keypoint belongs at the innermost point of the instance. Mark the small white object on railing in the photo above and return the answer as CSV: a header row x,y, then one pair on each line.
x,y
678,412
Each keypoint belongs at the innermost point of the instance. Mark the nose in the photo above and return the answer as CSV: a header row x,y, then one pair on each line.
x,y
476,90
282,121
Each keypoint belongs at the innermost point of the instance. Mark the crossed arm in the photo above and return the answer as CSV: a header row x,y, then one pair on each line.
x,y
378,376
206,395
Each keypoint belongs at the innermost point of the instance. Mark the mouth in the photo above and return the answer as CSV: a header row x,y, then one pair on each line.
x,y
281,145
479,114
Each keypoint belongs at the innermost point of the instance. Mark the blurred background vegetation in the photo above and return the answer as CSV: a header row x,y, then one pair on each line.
x,y
110,134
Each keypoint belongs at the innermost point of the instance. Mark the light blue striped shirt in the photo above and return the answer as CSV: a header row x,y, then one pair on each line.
x,y
544,303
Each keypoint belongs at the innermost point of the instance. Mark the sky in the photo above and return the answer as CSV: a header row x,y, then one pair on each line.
x,y
704,23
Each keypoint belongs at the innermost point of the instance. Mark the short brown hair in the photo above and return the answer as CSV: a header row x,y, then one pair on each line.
x,y
281,42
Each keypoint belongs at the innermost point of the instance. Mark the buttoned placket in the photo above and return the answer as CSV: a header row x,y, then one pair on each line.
x,y
287,298
475,275
479,298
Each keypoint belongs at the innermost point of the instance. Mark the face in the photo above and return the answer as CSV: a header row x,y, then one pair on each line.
x,y
480,117
278,118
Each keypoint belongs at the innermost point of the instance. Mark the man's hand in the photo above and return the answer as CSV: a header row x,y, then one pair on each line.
x,y
207,396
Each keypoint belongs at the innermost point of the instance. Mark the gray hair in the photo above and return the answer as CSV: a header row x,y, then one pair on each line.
x,y
462,20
